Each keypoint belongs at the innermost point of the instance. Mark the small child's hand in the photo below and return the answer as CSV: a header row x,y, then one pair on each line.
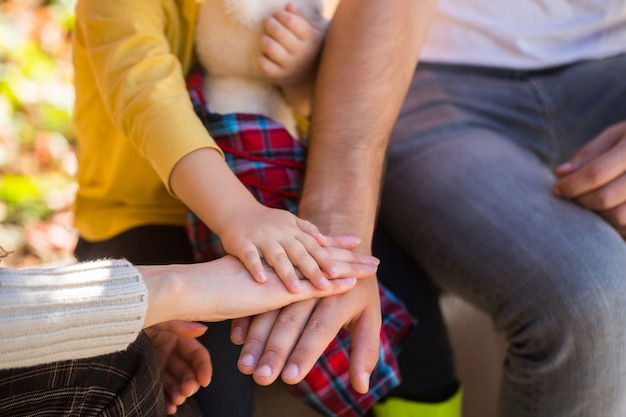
x,y
291,46
285,242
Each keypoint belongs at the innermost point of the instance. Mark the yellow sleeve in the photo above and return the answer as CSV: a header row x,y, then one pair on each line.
x,y
302,124
134,49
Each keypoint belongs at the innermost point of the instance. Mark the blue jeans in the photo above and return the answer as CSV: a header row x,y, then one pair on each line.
x,y
467,194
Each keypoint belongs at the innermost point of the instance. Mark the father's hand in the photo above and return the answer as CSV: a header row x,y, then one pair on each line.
x,y
288,342
595,177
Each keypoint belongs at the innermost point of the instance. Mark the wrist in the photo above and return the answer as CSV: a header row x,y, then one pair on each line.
x,y
165,290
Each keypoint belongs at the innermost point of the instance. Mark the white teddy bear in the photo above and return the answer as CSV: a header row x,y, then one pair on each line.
x,y
228,34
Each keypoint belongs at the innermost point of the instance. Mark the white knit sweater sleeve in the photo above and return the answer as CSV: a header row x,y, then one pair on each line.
x,y
69,312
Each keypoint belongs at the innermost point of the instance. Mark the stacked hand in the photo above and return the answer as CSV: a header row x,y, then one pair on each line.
x,y
215,291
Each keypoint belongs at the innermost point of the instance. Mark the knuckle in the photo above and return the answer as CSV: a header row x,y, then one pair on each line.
x,y
595,174
318,325
273,351
280,258
371,356
250,256
604,199
288,319
617,217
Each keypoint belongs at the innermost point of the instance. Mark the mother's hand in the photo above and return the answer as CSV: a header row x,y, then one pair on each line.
x,y
595,177
185,363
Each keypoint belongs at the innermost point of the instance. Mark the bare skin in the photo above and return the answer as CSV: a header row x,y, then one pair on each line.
x,y
291,48
178,295
595,177
366,67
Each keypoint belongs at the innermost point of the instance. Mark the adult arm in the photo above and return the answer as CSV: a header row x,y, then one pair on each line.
x,y
95,308
366,66
69,312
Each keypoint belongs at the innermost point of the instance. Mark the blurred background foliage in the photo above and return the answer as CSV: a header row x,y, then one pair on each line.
x,y
37,159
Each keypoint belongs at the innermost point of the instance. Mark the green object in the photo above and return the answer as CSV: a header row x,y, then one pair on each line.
x,y
400,407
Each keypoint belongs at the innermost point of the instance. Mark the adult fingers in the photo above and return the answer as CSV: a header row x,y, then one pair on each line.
x,y
351,256
343,241
600,171
600,144
284,335
239,330
607,197
181,328
258,333
365,335
361,309
616,217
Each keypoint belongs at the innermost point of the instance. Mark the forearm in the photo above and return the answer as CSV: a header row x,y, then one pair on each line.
x,y
205,183
71,312
364,74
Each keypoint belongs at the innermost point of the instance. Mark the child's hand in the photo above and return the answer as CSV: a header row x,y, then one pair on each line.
x,y
291,46
285,242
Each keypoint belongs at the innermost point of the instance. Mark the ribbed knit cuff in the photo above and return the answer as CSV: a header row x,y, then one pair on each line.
x,y
69,312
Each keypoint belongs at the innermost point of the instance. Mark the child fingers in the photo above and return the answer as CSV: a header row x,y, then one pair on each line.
x,y
276,257
283,34
275,51
311,229
250,257
268,67
313,261
310,268
296,23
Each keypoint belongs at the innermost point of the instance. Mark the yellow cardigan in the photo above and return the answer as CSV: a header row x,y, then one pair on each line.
x,y
133,117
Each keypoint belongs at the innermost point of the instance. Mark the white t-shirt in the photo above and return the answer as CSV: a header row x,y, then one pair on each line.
x,y
525,34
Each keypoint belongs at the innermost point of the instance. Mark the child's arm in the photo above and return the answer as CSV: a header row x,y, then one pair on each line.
x,y
249,230
291,47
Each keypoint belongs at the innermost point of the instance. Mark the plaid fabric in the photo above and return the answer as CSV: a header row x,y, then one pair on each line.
x,y
270,163
124,384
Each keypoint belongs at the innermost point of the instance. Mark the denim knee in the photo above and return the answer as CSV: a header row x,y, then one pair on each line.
x,y
573,322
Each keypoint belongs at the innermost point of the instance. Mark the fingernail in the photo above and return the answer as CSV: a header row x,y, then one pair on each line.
x,y
296,285
566,168
321,237
366,379
333,271
373,259
291,372
264,370
324,283
345,282
261,276
238,333
247,360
